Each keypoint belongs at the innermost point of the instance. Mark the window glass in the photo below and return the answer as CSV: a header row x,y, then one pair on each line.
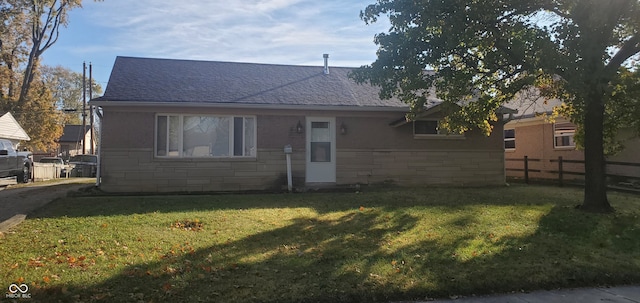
x,y
249,136
509,139
174,133
563,134
205,136
320,132
238,136
161,137
320,151
428,127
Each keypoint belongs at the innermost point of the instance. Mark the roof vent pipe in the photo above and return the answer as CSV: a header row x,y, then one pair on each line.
x,y
326,63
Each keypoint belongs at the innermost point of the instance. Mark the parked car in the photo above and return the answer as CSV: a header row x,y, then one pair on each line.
x,y
14,163
84,165
58,162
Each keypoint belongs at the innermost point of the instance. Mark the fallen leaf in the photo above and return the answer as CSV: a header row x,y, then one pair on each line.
x,y
166,287
46,279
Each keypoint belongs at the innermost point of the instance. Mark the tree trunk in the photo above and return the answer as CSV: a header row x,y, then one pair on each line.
x,y
28,74
595,187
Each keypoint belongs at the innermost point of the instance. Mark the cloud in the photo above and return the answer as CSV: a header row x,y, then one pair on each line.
x,y
265,31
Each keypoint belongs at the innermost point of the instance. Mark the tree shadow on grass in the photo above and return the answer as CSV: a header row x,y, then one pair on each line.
x,y
361,257
450,198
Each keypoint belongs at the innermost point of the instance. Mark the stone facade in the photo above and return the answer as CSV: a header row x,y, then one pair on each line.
x,y
370,151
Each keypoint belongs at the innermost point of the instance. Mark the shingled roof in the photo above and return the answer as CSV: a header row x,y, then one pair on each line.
x,y
73,133
158,81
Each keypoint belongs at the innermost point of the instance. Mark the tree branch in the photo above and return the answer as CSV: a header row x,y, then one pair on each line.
x,y
628,49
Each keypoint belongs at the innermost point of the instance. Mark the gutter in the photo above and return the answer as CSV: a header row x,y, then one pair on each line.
x,y
102,103
99,153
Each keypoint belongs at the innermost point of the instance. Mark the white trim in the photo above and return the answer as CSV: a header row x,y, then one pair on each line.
x,y
505,139
320,172
569,133
250,106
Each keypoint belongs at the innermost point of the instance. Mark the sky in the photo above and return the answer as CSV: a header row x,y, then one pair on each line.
x,y
295,32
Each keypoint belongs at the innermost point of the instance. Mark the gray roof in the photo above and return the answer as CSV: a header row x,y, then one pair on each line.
x,y
143,80
529,103
73,133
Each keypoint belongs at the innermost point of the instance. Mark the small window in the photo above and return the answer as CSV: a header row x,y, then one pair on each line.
x,y
563,135
431,128
427,127
509,139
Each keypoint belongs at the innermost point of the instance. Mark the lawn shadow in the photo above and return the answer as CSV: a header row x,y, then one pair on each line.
x,y
87,206
351,259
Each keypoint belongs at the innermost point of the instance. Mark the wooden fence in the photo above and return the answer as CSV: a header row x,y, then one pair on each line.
x,y
557,167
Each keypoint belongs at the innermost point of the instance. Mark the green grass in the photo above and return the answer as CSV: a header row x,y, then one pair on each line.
x,y
396,244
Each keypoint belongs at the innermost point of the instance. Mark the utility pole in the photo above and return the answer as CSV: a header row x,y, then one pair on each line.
x,y
84,105
91,107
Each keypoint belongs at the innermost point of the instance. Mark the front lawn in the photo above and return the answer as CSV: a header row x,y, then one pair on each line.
x,y
375,246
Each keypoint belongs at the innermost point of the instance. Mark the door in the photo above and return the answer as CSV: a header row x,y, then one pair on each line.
x,y
321,150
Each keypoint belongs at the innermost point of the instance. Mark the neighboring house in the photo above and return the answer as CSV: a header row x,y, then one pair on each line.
x,y
11,130
179,125
72,140
530,133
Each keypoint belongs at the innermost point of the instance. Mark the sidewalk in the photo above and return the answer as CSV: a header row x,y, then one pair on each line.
x,y
621,294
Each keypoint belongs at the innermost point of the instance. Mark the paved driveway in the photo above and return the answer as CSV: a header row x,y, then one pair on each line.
x,y
17,203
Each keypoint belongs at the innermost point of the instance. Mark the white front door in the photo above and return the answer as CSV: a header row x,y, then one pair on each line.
x,y
321,150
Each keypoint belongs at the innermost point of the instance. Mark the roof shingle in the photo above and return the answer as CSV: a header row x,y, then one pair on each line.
x,y
167,80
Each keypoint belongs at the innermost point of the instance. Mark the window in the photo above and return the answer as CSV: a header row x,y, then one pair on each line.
x,y
188,136
563,135
320,142
509,139
430,128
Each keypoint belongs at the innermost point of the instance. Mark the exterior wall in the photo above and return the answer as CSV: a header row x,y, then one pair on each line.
x,y
535,140
371,151
420,167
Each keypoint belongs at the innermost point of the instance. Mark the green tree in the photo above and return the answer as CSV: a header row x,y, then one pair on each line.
x,y
27,29
485,51
66,88
40,118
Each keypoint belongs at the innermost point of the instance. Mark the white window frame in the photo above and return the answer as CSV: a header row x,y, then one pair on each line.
x,y
440,134
181,134
509,139
564,133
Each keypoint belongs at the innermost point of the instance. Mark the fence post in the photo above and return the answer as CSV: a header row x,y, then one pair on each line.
x,y
560,171
526,169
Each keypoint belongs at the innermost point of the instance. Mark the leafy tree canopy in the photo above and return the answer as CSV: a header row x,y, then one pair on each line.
x,y
485,51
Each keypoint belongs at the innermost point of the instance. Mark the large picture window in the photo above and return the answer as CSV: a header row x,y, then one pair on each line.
x,y
188,136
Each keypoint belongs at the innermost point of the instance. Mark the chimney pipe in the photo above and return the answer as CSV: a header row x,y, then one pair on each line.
x,y
326,63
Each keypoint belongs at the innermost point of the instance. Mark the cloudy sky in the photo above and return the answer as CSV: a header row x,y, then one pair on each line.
x,y
294,32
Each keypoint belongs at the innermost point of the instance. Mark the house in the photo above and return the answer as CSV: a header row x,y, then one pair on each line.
x,y
10,129
182,126
531,133
73,138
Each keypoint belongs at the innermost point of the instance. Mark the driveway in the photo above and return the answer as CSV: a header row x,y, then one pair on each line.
x,y
16,202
